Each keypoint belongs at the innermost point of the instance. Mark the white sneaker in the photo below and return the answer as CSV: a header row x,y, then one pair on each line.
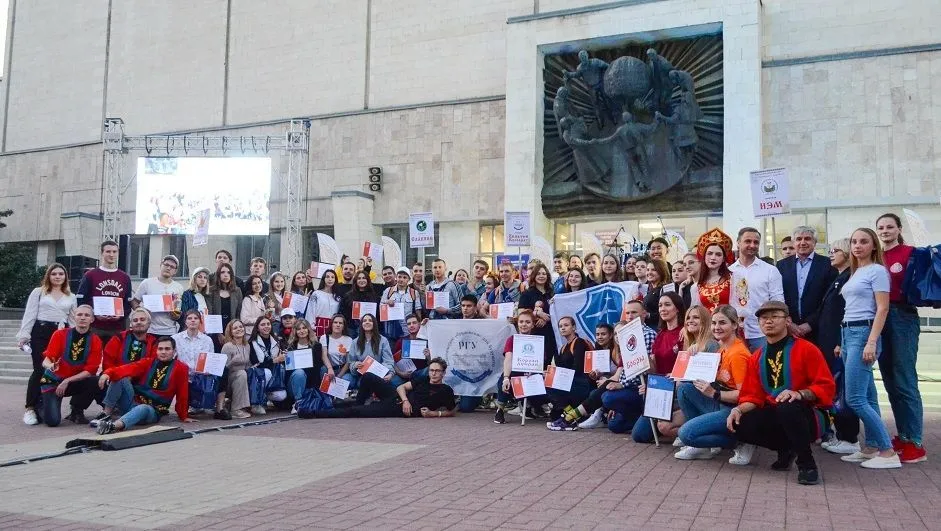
x,y
518,411
859,457
677,443
688,453
258,410
743,455
842,447
593,421
30,418
881,463
294,410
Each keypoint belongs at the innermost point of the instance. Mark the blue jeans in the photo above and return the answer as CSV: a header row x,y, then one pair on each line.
x,y
708,430
899,376
756,343
627,405
140,414
642,431
692,402
861,387
467,404
297,382
420,373
120,395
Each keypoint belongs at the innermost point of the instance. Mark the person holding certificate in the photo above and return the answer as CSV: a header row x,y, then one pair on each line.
x,y
536,298
412,326
237,350
571,356
361,291
706,405
336,346
786,384
192,342
525,321
401,295
302,338
195,296
372,344
324,303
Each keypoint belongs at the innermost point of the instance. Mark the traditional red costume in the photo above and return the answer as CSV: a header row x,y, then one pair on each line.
x,y
713,295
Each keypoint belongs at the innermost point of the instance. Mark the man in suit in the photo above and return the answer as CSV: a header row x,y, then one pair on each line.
x,y
806,276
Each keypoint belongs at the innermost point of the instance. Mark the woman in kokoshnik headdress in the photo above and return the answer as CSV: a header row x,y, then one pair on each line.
x,y
715,285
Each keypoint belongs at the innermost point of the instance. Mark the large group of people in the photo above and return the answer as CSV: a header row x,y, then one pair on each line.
x,y
797,342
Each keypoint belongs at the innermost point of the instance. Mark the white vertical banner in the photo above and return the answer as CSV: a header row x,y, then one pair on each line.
x,y
421,230
917,227
202,229
329,250
517,229
770,193
392,251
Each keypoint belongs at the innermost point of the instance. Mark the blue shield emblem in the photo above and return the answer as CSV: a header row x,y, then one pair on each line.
x,y
602,305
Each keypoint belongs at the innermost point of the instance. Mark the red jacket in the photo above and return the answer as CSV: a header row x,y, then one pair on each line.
x,y
157,394
72,363
115,354
806,369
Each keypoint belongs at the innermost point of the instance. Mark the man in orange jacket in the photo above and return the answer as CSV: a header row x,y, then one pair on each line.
x,y
156,382
71,361
786,386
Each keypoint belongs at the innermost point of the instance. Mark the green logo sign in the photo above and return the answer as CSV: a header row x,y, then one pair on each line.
x,y
421,226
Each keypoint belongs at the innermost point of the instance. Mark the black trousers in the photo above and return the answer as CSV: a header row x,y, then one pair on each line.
x,y
786,427
387,404
593,401
38,341
846,424
83,392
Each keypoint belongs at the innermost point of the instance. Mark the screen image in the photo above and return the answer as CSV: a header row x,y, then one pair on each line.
x,y
172,191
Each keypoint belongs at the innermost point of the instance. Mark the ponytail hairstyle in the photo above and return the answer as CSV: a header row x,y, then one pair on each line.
x,y
898,223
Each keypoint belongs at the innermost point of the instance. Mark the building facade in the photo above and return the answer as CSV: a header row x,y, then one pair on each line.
x,y
448,97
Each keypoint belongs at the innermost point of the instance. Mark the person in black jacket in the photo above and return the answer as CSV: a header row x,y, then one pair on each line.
x,y
361,291
536,298
806,276
829,336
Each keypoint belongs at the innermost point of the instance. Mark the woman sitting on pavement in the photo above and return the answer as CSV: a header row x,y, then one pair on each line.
x,y
236,350
371,343
570,356
267,354
302,337
706,405
336,346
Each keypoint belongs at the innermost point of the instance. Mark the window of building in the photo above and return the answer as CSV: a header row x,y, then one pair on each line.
x,y
491,244
176,245
138,256
248,247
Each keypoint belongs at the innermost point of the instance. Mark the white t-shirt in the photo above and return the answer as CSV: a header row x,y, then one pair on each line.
x,y
337,349
161,323
322,304
859,292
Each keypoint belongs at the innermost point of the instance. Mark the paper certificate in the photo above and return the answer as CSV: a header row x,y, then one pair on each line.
x,y
317,269
374,251
212,324
598,361
392,313
700,366
633,348
531,385
334,386
405,365
371,365
559,378
108,306
668,288
211,363
360,309
503,310
296,302
158,303
414,348
658,400
437,299
299,359
528,353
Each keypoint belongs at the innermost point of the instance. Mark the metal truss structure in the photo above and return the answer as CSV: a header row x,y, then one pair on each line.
x,y
117,146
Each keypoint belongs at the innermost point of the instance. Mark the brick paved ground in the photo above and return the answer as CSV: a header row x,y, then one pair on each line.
x,y
464,473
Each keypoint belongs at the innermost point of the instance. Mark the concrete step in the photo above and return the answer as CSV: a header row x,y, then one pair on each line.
x,y
17,364
14,380
16,372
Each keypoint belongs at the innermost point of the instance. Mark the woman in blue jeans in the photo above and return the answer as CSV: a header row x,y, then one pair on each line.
x,y
867,304
707,405
900,346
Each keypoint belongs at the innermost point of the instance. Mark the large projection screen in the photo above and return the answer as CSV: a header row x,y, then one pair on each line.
x,y
172,191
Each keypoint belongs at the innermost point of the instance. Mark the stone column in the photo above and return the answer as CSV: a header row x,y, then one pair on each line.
x,y
458,241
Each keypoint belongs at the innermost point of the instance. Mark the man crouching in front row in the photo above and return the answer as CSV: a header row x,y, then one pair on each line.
x,y
145,389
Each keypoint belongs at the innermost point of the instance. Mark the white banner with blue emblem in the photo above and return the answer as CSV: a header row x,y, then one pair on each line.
x,y
473,349
591,307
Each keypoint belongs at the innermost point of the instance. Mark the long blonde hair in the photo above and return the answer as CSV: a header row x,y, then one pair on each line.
x,y
228,333
876,254
705,330
47,282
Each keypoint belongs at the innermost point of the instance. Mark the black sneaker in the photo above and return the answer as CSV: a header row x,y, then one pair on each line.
x,y
536,413
97,420
105,427
222,414
784,461
808,476
77,417
499,417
